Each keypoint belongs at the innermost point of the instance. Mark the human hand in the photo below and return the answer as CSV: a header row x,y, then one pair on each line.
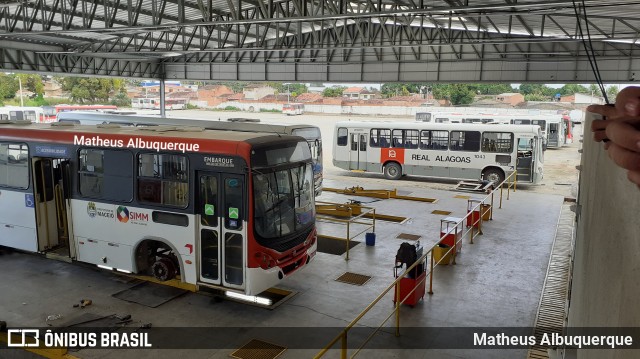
x,y
622,130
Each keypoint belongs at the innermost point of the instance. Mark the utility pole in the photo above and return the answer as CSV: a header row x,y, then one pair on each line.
x,y
21,99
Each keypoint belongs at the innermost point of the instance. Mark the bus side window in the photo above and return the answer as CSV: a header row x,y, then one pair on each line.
x,y
425,140
373,138
342,136
396,140
412,139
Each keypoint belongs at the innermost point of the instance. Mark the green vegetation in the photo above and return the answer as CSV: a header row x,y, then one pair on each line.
x,y
458,94
90,90
268,110
121,100
536,97
335,91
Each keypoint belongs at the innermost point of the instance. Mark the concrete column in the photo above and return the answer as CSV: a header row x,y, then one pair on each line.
x,y
606,273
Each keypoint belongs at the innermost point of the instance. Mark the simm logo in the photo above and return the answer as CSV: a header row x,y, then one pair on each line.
x,y
124,215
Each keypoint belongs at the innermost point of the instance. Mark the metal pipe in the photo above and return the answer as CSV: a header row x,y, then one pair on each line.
x,y
398,300
431,273
348,238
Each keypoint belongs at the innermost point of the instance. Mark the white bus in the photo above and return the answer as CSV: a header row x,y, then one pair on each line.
x,y
153,103
310,133
227,210
554,128
15,113
463,151
519,118
293,108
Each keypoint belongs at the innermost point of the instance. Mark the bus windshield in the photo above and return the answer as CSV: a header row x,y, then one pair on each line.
x,y
283,201
283,191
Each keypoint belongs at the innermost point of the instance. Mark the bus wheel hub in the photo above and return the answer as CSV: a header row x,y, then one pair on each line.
x,y
163,269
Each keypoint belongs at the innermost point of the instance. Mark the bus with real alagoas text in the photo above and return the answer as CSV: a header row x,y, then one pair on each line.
x,y
310,133
227,210
447,150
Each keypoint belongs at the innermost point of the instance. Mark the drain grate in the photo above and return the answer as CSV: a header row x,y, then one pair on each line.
x,y
444,213
353,278
461,196
258,349
411,237
333,246
552,309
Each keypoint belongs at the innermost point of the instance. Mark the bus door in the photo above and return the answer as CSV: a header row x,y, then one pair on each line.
x,y
222,244
526,159
51,178
554,135
358,153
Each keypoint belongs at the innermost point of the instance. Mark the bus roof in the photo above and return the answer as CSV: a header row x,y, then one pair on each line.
x,y
65,133
240,126
416,125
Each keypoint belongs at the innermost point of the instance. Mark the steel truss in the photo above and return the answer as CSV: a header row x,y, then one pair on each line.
x,y
322,40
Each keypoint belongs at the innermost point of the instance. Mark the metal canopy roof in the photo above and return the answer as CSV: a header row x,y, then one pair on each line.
x,y
323,40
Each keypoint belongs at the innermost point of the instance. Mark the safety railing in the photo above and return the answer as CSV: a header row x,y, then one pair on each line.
x,y
511,181
479,210
364,216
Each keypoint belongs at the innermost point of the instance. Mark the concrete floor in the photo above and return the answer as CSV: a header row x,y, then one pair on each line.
x,y
496,283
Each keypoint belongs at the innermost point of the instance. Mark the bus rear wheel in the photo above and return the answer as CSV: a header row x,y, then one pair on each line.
x,y
392,171
494,175
163,269
157,259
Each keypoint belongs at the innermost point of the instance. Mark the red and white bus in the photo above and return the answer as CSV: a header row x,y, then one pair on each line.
x,y
293,108
229,210
446,150
51,112
310,133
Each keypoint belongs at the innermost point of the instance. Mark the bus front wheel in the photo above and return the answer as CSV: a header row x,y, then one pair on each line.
x,y
392,171
494,175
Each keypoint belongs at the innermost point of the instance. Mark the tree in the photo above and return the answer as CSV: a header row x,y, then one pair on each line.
x,y
460,94
8,86
121,100
570,89
91,89
612,92
33,83
537,89
441,92
397,89
335,91
536,97
491,89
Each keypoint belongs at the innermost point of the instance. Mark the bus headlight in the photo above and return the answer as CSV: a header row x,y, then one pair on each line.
x,y
265,260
